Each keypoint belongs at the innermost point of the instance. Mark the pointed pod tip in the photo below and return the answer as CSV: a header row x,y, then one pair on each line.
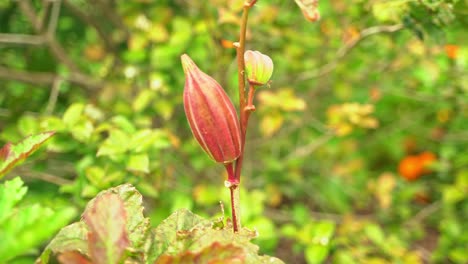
x,y
187,63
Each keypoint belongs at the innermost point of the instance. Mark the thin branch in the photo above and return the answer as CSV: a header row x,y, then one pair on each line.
x,y
21,39
55,13
47,78
42,18
112,16
55,47
47,177
423,214
309,148
54,92
344,50
90,21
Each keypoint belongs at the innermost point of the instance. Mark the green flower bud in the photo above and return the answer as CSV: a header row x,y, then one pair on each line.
x,y
258,67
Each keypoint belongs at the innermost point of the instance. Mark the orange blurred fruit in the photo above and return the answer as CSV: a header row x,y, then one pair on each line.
x,y
410,168
426,159
413,166
451,51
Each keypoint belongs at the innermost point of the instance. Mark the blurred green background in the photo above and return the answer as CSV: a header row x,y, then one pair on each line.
x,y
354,98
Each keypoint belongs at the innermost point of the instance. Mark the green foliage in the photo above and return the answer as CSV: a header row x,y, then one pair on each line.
x,y
352,95
113,229
24,227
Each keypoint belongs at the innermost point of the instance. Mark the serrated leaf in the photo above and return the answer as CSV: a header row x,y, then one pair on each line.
x,y
12,154
74,236
107,237
11,192
213,254
185,231
165,235
25,227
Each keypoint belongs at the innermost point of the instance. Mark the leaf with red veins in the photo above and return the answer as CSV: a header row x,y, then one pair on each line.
x,y
12,154
107,236
5,151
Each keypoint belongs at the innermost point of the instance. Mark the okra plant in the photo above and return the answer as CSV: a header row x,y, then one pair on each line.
x,y
212,116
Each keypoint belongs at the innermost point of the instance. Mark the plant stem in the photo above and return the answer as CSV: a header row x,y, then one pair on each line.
x,y
243,116
235,207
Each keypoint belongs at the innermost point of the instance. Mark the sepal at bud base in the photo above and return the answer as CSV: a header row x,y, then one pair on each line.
x,y
211,114
258,67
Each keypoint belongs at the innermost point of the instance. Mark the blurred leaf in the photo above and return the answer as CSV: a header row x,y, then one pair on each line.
x,y
24,227
389,10
13,154
138,163
270,124
115,144
11,192
73,114
316,253
375,234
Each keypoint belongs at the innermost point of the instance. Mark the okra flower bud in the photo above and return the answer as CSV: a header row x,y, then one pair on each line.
x,y
211,114
258,67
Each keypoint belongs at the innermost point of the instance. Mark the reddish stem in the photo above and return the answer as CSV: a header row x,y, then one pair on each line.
x,y
234,208
243,116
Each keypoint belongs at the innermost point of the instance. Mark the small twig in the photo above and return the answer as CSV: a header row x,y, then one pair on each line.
x,y
108,11
344,50
423,213
55,47
54,92
83,16
47,177
309,148
21,39
54,17
46,78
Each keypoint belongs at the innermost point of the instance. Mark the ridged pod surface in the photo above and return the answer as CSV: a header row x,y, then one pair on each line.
x,y
211,114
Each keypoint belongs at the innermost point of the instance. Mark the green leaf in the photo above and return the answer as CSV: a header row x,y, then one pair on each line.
x,y
323,231
389,10
23,228
375,234
213,254
11,192
316,253
107,237
115,144
11,155
74,236
138,163
184,231
143,100
73,114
